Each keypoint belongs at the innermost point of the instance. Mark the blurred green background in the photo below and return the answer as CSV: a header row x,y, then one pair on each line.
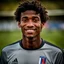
x,y
10,33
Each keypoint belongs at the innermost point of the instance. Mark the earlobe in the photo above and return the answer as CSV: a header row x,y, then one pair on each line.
x,y
42,25
18,24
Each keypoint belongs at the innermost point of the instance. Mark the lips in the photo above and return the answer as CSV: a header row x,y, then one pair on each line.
x,y
30,31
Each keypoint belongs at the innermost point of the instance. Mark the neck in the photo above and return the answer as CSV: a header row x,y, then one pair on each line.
x,y
31,43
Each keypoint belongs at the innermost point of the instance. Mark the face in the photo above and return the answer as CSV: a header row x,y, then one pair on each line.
x,y
30,23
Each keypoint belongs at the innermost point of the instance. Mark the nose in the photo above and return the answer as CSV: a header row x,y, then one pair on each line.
x,y
30,24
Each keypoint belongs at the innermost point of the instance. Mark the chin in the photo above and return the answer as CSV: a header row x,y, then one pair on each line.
x,y
30,36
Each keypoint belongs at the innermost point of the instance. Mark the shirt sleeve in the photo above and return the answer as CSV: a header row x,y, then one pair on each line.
x,y
63,56
3,58
60,58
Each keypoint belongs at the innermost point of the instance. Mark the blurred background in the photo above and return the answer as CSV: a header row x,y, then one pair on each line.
x,y
53,30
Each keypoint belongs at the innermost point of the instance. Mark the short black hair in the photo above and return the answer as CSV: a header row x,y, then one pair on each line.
x,y
32,5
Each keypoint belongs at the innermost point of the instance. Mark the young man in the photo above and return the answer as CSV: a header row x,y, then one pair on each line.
x,y
31,49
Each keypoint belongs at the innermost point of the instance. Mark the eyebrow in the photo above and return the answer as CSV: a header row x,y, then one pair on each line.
x,y
26,16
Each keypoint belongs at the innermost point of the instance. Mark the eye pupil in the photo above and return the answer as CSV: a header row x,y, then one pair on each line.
x,y
25,19
35,19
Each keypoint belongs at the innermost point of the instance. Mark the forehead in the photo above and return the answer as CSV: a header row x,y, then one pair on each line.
x,y
30,13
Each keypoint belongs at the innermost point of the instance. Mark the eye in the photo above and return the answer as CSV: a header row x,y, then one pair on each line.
x,y
24,19
35,19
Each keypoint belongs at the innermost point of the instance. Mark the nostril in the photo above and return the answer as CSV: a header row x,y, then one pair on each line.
x,y
30,24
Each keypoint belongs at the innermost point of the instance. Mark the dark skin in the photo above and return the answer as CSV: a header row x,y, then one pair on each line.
x,y
31,26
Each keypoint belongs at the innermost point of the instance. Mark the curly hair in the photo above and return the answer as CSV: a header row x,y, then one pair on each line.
x,y
32,5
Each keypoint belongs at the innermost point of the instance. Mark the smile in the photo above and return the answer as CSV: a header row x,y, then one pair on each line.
x,y
30,30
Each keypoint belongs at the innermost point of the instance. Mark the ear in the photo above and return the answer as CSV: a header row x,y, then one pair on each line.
x,y
18,24
42,24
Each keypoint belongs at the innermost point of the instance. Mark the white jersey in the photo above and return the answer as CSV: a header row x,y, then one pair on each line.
x,y
45,54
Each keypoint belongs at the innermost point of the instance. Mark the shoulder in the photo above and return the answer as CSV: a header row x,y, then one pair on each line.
x,y
12,46
9,50
52,47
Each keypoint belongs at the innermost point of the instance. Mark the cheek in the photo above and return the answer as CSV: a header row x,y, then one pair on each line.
x,y
22,25
39,26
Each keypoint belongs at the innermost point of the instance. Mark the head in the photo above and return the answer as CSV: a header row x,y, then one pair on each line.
x,y
31,16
